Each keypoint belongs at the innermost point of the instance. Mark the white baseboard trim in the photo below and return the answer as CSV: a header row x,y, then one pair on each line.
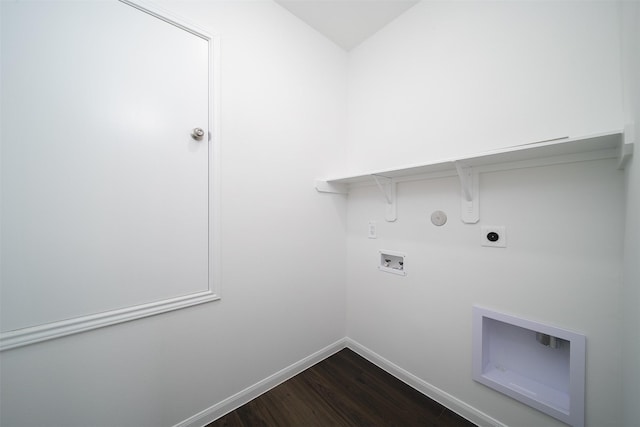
x,y
222,408
231,403
456,405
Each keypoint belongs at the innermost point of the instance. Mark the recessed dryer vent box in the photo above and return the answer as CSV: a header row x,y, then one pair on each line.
x,y
392,262
540,365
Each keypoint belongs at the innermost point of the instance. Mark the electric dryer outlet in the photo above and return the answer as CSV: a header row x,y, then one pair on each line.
x,y
493,236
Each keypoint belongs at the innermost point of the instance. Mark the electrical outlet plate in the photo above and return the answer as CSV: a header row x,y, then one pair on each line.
x,y
371,232
500,230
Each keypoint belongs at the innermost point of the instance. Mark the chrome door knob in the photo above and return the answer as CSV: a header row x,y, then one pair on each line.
x,y
197,134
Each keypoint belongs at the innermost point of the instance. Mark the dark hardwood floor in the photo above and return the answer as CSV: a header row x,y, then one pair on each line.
x,y
342,390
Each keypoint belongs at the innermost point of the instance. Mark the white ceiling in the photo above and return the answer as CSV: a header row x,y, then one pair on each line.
x,y
347,22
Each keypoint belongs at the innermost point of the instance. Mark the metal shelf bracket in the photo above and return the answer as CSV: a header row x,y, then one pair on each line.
x,y
470,189
388,190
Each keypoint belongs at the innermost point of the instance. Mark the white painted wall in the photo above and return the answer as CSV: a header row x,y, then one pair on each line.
x,y
283,248
442,80
561,267
630,14
450,78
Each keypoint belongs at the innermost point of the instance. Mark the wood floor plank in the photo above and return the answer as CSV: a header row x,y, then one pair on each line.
x,y
338,397
300,412
370,387
344,390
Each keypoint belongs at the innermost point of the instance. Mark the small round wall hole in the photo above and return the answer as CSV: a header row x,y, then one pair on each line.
x,y
493,236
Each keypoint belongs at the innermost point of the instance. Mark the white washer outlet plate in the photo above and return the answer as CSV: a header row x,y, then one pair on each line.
x,y
392,262
489,232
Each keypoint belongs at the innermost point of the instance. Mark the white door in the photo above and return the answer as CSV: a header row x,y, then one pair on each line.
x,y
104,190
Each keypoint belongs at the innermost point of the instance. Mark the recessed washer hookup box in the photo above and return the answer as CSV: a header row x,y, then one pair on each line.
x,y
540,365
392,262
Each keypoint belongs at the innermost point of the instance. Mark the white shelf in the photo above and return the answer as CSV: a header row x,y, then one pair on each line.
x,y
614,144
609,144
